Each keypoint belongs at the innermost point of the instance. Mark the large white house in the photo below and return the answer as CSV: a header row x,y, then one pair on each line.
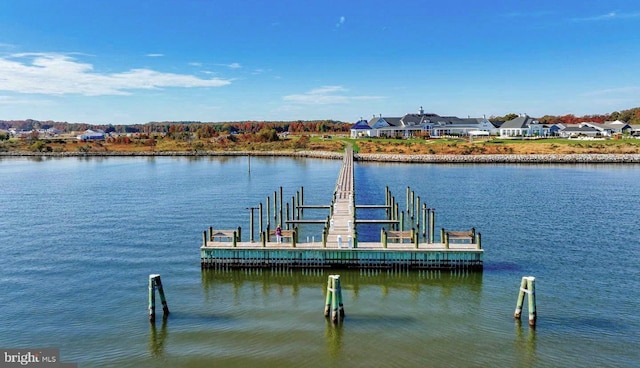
x,y
431,124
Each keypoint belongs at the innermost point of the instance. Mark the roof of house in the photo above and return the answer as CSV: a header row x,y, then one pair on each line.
x,y
520,122
361,125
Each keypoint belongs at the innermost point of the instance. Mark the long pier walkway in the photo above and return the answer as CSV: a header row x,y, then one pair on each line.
x,y
342,221
339,248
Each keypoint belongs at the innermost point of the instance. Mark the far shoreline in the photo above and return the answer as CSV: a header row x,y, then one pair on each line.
x,y
367,157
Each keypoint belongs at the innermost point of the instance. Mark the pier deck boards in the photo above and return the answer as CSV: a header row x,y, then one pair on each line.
x,y
342,250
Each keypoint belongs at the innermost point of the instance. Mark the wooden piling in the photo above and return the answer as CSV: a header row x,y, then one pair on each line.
x,y
432,226
156,283
334,307
204,238
479,241
527,287
281,201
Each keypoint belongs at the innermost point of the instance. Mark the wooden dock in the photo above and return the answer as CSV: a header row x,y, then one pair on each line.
x,y
339,246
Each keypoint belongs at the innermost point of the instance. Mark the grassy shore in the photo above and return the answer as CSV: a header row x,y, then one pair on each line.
x,y
334,144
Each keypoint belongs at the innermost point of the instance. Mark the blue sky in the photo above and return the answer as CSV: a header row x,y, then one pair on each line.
x,y
128,62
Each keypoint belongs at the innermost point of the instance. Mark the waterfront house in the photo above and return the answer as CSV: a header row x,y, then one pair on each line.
x,y
524,126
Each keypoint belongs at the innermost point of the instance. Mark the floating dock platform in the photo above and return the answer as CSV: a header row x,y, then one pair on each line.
x,y
339,246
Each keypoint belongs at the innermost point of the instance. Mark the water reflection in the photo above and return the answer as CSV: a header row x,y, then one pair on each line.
x,y
334,333
157,339
525,344
415,281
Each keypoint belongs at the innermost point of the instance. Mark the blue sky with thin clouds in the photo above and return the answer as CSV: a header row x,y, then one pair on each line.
x,y
126,62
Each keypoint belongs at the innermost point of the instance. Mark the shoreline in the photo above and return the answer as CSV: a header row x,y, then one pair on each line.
x,y
365,157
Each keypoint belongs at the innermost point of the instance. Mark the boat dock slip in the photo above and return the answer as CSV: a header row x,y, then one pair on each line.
x,y
407,237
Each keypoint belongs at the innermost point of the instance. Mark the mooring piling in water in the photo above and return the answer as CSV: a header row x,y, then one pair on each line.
x,y
527,287
156,283
334,307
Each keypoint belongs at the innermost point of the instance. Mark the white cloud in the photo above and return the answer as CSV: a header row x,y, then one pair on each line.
x,y
326,95
341,21
59,74
608,16
234,65
195,63
155,55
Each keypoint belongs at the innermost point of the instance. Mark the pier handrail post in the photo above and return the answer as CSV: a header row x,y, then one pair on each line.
x,y
384,238
293,238
324,237
355,238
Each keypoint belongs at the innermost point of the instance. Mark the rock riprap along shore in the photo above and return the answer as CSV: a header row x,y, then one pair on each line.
x,y
476,159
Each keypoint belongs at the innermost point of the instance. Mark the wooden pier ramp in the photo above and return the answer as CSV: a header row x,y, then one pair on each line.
x,y
338,246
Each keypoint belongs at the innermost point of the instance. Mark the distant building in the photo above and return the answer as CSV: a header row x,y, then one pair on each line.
x,y
524,126
361,129
92,135
426,123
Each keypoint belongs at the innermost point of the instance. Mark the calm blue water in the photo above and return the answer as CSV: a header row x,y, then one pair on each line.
x,y
79,237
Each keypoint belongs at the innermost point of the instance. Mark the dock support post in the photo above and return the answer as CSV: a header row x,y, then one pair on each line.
x,y
287,216
396,214
413,201
415,237
260,223
251,239
210,233
408,194
417,212
432,226
527,286
275,206
156,283
302,200
479,241
204,238
473,235
268,211
446,240
424,221
281,218
235,238
442,235
401,221
263,237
